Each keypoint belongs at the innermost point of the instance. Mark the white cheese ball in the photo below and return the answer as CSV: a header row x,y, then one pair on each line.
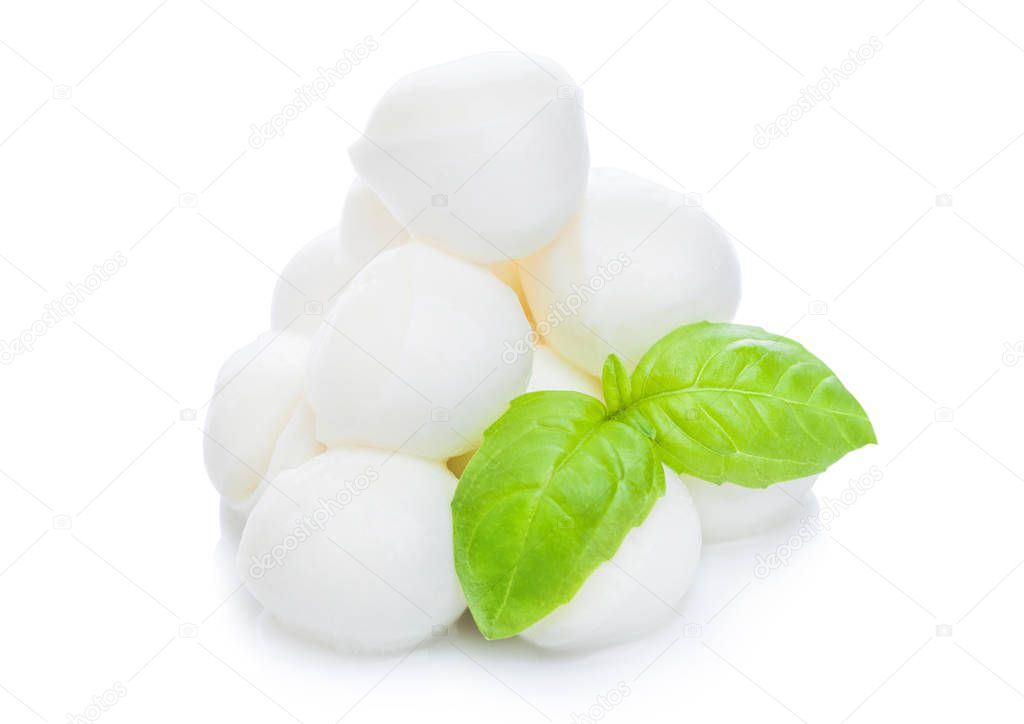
x,y
551,372
729,511
297,442
639,588
316,272
367,227
414,356
637,263
256,393
320,270
295,445
357,550
486,156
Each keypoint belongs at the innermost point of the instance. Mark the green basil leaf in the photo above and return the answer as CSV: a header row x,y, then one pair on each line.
x,y
737,404
549,496
615,383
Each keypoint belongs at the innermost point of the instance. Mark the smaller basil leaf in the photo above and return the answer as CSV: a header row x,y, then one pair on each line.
x,y
738,404
615,383
549,496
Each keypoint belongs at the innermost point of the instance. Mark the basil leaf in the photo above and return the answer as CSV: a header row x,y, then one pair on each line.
x,y
549,496
615,384
733,403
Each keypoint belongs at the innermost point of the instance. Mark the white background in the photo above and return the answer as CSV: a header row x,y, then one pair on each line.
x,y
124,127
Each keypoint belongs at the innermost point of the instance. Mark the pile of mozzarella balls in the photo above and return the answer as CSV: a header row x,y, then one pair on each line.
x,y
478,257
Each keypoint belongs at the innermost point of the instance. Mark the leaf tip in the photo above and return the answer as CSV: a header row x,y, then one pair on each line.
x,y
489,627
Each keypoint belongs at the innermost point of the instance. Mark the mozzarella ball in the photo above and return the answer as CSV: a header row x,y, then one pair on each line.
x,y
308,281
637,263
357,550
486,156
551,372
297,442
232,522
367,227
420,354
323,267
639,588
295,445
729,511
257,391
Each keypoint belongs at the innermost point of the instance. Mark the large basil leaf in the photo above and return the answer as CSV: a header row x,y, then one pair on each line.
x,y
549,496
724,402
